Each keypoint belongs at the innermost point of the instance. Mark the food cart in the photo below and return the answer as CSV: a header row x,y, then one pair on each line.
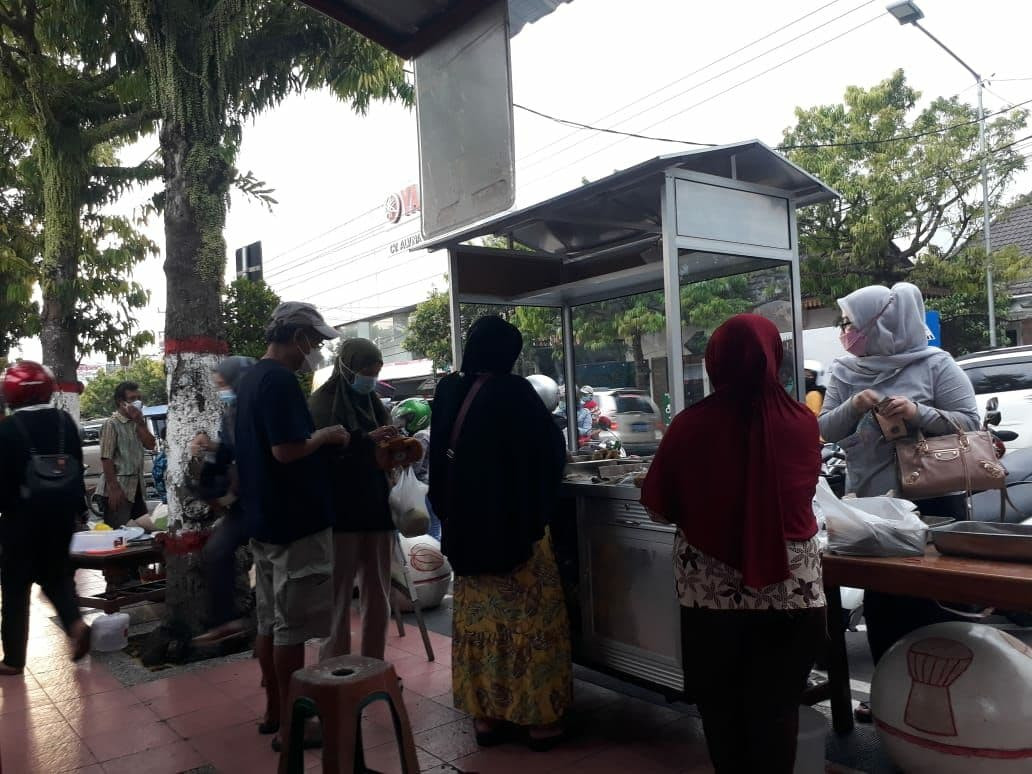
x,y
711,230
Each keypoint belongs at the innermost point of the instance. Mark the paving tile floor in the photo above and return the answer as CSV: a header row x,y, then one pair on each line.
x,y
62,717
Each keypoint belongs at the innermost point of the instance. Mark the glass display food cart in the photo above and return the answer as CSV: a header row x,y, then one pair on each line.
x,y
625,278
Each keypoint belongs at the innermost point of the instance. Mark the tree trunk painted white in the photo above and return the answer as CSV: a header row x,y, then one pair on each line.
x,y
193,407
69,401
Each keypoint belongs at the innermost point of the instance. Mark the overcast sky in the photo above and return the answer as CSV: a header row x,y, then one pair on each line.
x,y
588,62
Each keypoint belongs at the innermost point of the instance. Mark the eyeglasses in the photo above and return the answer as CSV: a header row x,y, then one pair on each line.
x,y
844,323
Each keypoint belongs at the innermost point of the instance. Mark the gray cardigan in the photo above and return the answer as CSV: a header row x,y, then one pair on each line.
x,y
935,383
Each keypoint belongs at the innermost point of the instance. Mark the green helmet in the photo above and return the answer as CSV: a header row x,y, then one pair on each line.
x,y
413,414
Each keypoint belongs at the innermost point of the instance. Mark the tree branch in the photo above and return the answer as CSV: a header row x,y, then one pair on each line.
x,y
119,127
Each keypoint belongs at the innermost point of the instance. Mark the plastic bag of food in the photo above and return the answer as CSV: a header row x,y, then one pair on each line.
x,y
408,505
871,526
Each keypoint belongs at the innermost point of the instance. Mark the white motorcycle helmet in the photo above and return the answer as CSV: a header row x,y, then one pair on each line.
x,y
547,389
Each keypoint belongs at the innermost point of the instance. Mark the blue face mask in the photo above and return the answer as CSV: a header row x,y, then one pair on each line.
x,y
227,396
363,384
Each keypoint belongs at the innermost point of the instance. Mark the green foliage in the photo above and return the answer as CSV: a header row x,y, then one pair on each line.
x,y
896,196
98,398
246,310
957,285
429,331
71,90
19,246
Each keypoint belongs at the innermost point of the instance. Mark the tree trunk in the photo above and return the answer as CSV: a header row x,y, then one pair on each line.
x,y
641,366
64,175
193,347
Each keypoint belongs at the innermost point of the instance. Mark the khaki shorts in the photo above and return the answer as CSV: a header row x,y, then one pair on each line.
x,y
294,588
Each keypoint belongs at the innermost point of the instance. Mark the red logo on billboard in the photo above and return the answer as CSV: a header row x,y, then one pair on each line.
x,y
402,204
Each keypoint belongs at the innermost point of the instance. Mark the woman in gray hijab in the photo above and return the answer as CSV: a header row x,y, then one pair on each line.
x,y
889,358
363,532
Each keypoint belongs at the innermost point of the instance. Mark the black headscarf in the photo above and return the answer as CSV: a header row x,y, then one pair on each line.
x,y
492,347
497,494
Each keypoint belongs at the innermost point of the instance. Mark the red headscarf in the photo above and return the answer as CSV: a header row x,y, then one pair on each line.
x,y
737,472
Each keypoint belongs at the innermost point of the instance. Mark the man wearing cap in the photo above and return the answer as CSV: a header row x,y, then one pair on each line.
x,y
284,488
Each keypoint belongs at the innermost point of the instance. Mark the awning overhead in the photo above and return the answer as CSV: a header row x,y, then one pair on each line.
x,y
410,27
625,206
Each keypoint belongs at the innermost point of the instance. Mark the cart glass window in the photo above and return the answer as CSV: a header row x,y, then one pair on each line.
x,y
620,343
707,303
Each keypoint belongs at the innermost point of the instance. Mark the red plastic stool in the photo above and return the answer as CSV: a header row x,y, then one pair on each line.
x,y
337,690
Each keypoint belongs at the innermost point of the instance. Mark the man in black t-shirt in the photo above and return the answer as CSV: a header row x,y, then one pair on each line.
x,y
284,487
35,544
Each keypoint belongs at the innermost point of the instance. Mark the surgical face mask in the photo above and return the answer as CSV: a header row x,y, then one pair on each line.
x,y
312,358
363,385
227,396
854,341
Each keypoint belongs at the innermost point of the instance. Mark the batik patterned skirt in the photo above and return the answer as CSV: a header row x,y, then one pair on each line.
x,y
511,655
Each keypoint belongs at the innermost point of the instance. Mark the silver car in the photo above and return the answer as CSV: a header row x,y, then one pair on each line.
x,y
636,418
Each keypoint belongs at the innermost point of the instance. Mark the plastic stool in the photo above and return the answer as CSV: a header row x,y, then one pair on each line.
x,y
337,690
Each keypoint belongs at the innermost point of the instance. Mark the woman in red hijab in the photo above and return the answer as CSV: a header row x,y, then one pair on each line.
x,y
736,474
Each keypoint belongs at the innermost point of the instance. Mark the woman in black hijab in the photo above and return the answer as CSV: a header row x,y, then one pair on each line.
x,y
494,483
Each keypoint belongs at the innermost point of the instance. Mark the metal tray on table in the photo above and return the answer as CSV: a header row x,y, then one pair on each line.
x,y
985,540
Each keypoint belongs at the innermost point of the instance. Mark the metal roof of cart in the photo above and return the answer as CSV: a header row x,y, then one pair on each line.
x,y
625,206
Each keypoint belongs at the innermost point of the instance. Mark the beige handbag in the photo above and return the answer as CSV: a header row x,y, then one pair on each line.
x,y
959,462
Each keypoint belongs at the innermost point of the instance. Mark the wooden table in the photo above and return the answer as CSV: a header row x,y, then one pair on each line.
x,y
1004,585
125,559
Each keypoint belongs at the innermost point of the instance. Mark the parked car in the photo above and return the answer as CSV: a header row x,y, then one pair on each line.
x,y
636,418
1005,374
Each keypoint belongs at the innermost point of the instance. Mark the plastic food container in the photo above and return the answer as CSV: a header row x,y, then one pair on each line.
x,y
110,632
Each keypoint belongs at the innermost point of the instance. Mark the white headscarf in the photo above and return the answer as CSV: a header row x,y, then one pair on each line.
x,y
894,322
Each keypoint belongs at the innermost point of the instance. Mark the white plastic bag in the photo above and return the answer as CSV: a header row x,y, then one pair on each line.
x,y
408,505
871,526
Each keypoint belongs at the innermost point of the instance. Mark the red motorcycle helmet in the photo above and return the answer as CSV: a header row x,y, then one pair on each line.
x,y
27,384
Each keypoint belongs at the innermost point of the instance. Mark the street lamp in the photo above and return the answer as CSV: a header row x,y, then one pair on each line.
x,y
907,12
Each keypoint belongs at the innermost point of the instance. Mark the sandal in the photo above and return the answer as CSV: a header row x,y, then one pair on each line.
x,y
863,713
492,735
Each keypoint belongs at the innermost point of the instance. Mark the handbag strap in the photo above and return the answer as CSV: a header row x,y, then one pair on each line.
x,y
460,418
453,442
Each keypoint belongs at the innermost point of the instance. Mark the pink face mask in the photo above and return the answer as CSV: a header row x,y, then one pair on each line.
x,y
854,341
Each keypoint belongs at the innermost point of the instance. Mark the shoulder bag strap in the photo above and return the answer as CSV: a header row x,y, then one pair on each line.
x,y
453,442
460,418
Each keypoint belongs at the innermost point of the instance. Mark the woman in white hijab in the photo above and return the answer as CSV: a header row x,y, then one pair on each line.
x,y
889,357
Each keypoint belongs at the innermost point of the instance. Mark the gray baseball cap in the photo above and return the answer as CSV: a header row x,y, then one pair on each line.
x,y
302,314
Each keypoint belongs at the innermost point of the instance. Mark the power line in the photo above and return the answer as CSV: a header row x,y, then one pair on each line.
x,y
683,78
712,97
801,146
719,75
320,236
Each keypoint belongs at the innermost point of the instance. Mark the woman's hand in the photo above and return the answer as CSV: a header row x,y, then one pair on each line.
x,y
899,407
865,401
200,444
385,433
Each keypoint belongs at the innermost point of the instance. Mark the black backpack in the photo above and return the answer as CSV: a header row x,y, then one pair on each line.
x,y
53,483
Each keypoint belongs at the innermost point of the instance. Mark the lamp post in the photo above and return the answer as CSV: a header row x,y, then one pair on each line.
x,y
907,12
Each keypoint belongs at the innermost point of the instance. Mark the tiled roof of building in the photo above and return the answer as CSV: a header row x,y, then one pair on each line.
x,y
1012,227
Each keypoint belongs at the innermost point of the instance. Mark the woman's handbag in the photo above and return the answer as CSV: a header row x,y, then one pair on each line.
x,y
959,462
